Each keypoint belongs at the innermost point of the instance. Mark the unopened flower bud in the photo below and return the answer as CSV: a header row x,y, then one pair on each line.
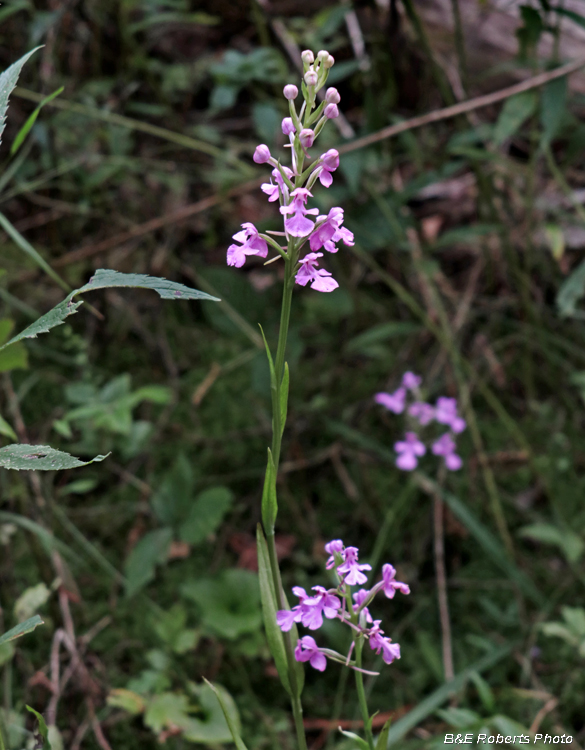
x,y
290,91
331,111
307,137
332,96
311,78
288,126
322,55
308,57
329,62
330,159
262,154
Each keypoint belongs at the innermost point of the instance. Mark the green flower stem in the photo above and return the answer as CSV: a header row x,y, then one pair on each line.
x,y
359,684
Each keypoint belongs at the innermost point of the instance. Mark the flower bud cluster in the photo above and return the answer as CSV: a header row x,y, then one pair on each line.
x,y
292,186
341,603
444,412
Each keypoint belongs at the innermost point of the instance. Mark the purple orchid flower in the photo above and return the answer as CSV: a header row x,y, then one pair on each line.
x,y
321,280
329,163
335,546
411,381
314,607
390,651
391,586
272,190
298,225
410,449
253,244
351,570
329,230
394,402
446,413
425,413
445,446
286,617
307,650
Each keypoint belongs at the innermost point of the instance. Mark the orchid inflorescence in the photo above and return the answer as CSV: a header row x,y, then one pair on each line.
x,y
292,186
444,412
341,603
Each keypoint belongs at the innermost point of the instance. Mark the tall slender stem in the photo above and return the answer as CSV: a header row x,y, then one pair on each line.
x,y
359,684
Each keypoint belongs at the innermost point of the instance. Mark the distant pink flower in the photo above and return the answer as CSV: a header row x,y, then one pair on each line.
x,y
253,244
411,381
392,401
321,280
410,449
422,411
298,225
307,650
446,413
445,446
390,585
329,163
351,570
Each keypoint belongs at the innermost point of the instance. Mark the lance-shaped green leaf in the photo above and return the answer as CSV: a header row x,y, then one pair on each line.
x,y
8,81
284,397
238,742
269,501
28,125
21,629
43,729
270,360
104,279
362,744
383,736
269,608
39,458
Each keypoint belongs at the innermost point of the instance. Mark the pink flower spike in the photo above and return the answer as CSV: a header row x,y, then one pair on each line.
x,y
332,548
307,650
288,126
425,413
261,154
320,279
392,401
446,413
351,570
411,381
409,449
253,244
391,586
331,111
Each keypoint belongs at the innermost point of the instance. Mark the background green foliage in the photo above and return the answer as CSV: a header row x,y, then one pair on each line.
x,y
467,268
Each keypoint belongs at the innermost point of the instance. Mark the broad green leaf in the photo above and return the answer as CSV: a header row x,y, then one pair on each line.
x,y
140,565
229,603
15,357
43,729
571,292
27,127
233,727
269,501
24,627
39,458
8,81
553,105
284,397
206,514
575,618
105,279
571,544
515,112
173,498
127,700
